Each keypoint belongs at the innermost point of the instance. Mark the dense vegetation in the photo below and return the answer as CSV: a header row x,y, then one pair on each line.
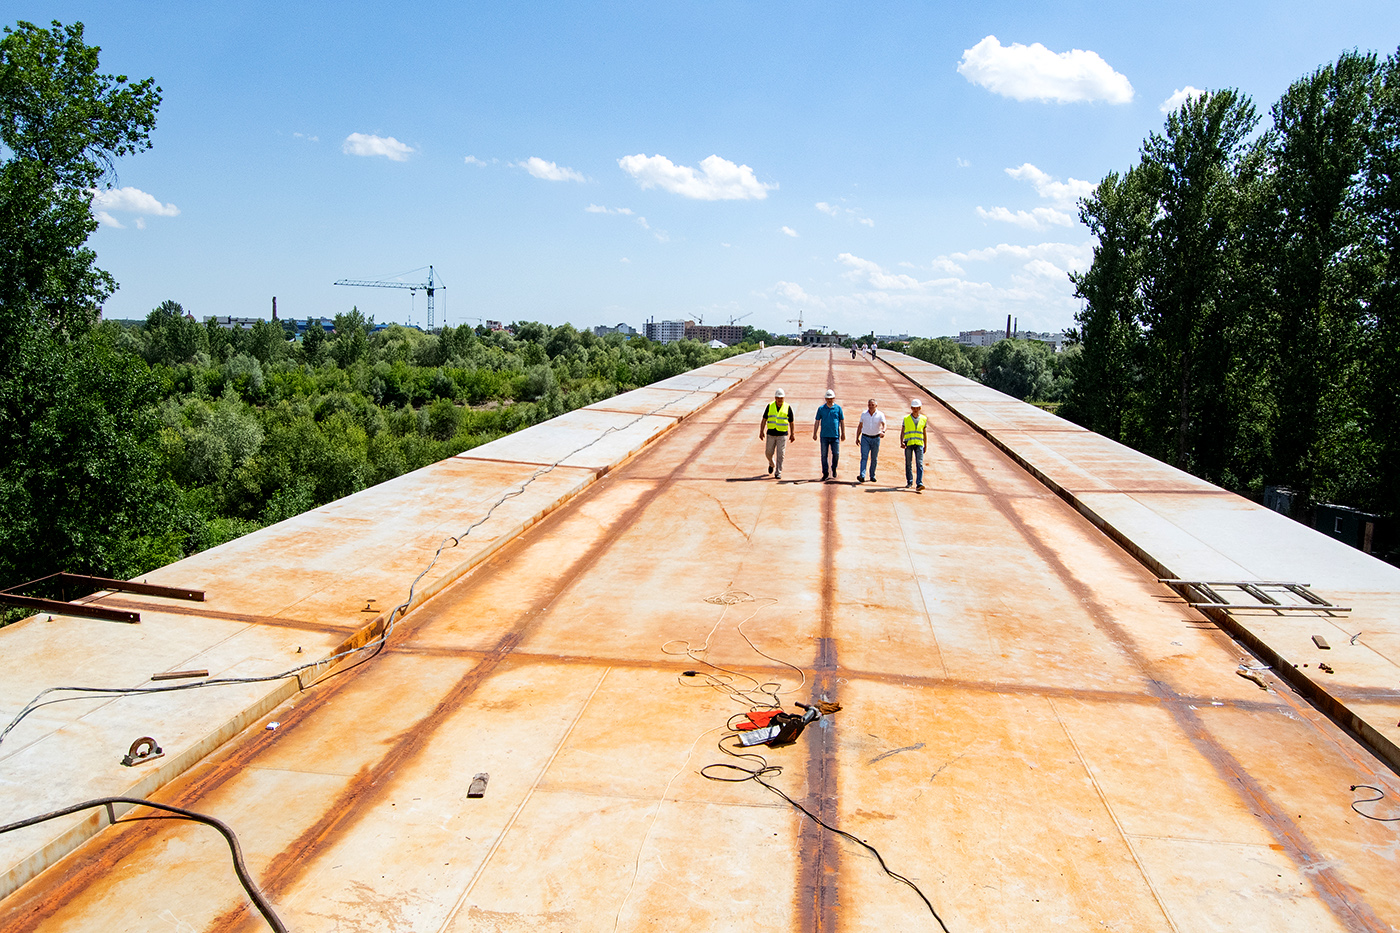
x,y
125,447
174,436
1242,313
1024,369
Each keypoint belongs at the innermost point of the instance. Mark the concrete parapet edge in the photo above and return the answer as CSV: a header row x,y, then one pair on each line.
x,y
1315,693
734,372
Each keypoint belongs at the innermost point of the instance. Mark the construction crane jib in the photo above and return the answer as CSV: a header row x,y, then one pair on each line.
x,y
429,286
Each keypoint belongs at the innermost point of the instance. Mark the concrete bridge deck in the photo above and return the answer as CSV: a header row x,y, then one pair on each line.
x,y
1033,730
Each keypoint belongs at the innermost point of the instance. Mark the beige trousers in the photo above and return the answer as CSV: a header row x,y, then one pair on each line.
x,y
773,448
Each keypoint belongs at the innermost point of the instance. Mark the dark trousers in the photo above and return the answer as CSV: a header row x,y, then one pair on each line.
x,y
914,456
830,446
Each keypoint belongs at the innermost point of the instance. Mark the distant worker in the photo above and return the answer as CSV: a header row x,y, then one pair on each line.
x,y
873,354
872,428
853,351
775,428
831,424
912,437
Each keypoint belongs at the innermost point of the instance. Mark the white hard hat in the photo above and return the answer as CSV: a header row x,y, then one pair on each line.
x,y
830,393
779,394
915,403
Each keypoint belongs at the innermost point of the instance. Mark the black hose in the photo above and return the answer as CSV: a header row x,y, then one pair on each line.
x,y
259,901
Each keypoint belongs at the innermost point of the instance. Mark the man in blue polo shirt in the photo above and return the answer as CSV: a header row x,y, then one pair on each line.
x,y
831,425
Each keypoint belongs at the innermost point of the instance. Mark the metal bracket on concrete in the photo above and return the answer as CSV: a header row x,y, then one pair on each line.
x,y
90,585
1202,594
142,750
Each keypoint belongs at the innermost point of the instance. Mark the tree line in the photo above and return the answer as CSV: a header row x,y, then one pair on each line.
x,y
1241,316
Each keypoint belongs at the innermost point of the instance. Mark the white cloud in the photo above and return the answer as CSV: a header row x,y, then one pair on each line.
x,y
837,210
1173,103
549,171
473,160
1044,268
1036,219
624,259
717,180
106,202
793,294
963,163
365,144
1064,193
600,209
876,276
789,231
310,139
1066,256
1033,72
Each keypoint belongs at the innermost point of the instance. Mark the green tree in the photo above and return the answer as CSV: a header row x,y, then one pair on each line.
x,y
351,337
171,337
80,481
80,487
267,341
62,126
313,343
1194,165
1119,213
1020,368
1321,127
1382,321
945,352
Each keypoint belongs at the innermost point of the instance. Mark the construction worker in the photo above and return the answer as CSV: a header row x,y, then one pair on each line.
x,y
831,423
913,436
775,427
872,428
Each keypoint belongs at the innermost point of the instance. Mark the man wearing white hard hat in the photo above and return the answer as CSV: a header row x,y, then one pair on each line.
x,y
774,428
913,436
831,424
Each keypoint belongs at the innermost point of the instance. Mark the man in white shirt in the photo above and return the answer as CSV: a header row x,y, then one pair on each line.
x,y
872,428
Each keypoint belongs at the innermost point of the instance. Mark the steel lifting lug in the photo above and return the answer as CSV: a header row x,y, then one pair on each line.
x,y
142,750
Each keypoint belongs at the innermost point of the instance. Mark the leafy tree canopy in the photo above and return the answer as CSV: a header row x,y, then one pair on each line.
x,y
62,126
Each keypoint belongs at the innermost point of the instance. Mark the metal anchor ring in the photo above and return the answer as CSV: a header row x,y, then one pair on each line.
x,y
143,749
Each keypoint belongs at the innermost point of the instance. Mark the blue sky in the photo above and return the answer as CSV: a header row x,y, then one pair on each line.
x,y
901,168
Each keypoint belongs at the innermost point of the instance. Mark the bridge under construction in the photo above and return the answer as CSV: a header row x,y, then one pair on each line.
x,y
1077,689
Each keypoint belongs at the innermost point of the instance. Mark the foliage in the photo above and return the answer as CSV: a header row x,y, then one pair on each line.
x,y
1240,311
234,429
62,125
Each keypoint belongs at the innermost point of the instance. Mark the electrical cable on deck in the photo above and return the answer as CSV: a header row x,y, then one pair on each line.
x,y
764,769
767,694
1378,819
239,867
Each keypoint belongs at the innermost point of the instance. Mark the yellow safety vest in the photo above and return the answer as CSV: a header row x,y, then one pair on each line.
x,y
914,432
779,419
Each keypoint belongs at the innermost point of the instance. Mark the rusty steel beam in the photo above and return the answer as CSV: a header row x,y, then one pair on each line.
x,y
130,586
69,609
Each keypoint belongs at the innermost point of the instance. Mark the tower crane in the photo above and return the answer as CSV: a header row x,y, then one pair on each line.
x,y
736,320
427,286
797,320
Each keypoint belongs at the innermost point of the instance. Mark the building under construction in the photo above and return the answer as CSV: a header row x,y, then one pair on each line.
x,y
1063,687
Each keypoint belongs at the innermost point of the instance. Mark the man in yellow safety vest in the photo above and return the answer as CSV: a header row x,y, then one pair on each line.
x,y
775,428
913,437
